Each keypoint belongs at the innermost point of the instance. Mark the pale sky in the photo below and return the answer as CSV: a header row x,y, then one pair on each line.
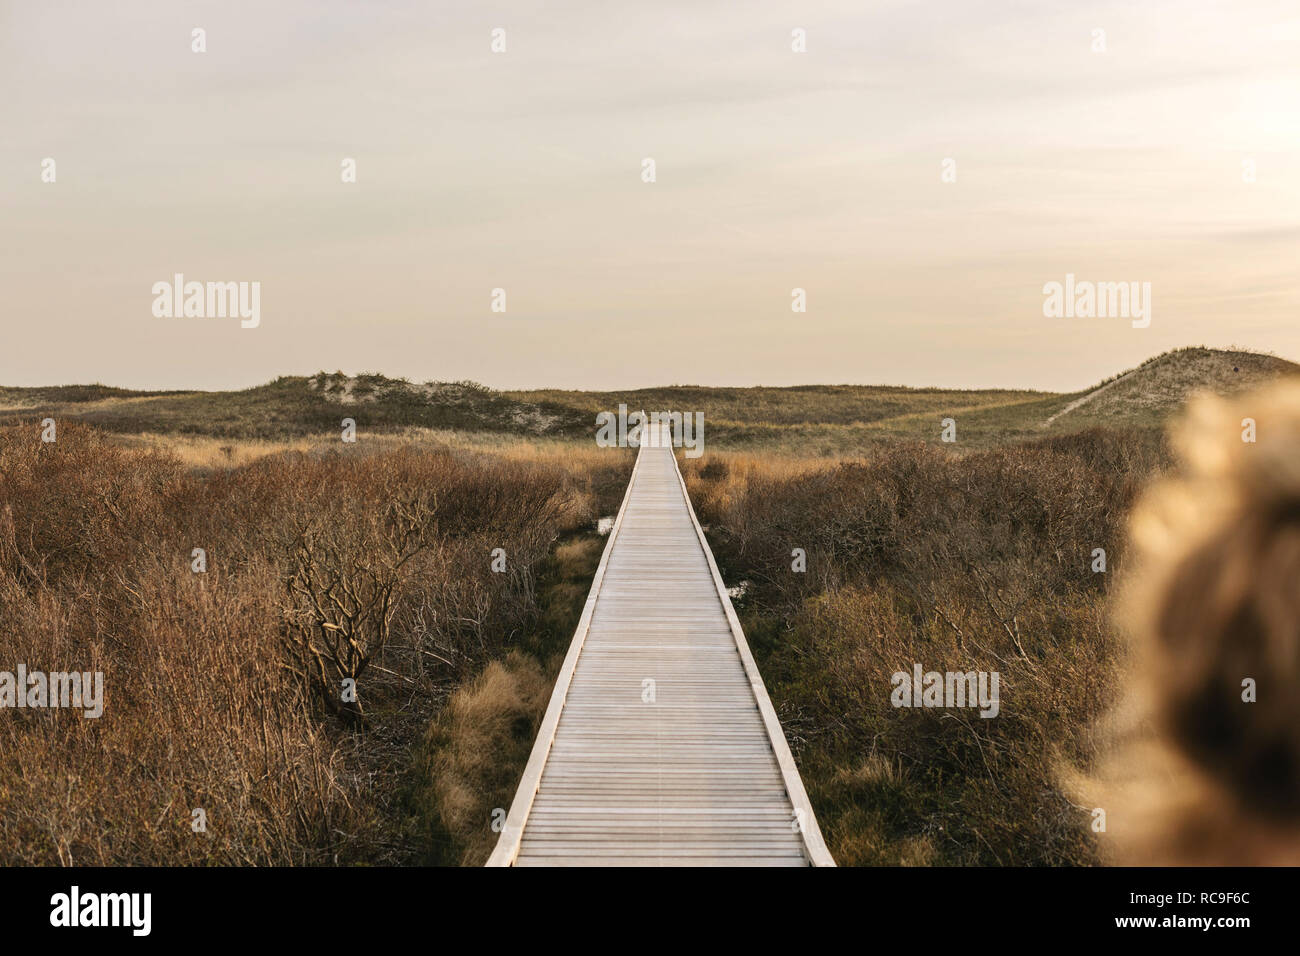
x,y
522,170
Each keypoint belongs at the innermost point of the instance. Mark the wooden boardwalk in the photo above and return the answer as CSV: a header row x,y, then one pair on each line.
x,y
660,746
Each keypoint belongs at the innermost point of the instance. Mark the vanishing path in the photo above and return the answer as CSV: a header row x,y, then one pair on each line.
x,y
660,746
1084,400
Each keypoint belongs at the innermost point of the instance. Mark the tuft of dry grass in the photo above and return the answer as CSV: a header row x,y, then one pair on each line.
x,y
469,763
474,754
205,453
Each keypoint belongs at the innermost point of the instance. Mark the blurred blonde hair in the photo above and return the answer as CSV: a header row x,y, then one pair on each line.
x,y
1198,775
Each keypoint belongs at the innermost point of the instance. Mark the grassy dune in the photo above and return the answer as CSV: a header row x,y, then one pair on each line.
x,y
288,408
816,420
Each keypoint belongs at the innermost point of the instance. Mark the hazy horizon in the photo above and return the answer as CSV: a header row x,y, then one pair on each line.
x,y
521,170
616,388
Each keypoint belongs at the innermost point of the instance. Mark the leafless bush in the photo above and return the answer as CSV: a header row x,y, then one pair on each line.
x,y
344,582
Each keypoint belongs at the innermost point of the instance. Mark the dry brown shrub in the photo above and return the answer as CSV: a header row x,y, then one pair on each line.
x,y
958,562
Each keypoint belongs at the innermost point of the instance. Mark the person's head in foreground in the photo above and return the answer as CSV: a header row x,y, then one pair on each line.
x,y
1209,772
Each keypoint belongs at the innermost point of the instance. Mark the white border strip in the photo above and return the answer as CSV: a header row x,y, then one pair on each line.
x,y
814,846
507,847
